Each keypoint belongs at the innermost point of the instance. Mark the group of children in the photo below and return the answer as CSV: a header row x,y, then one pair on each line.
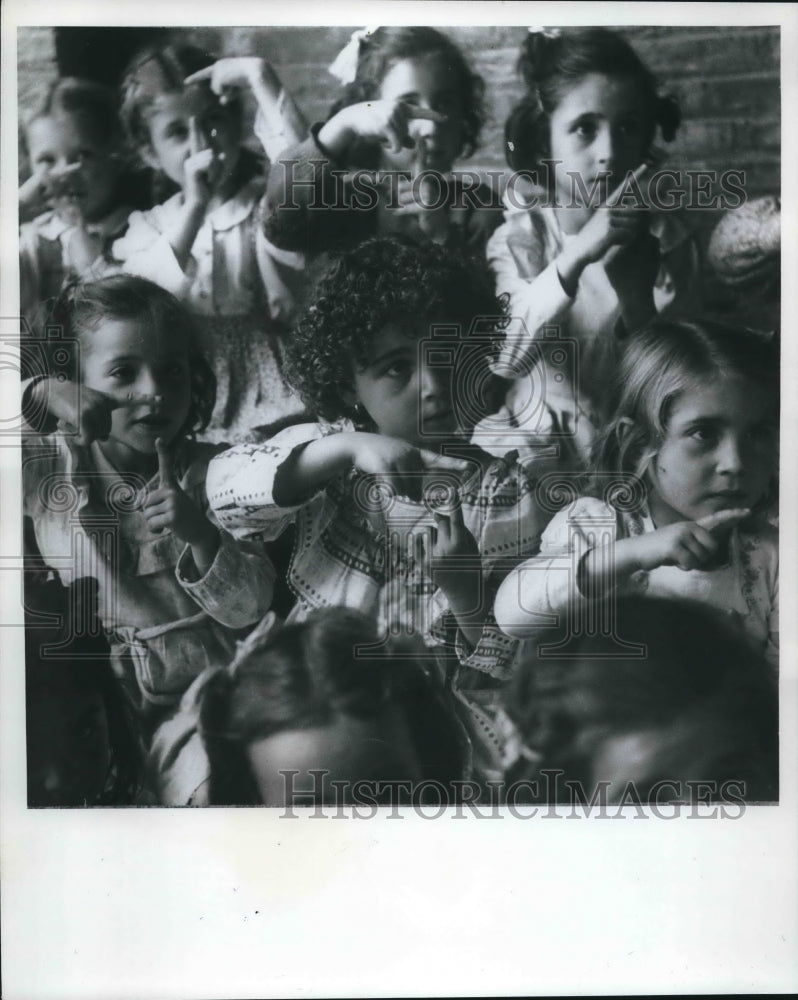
x,y
306,429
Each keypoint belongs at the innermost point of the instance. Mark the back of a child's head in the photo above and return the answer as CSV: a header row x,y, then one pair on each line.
x,y
91,103
552,62
658,364
677,676
83,307
315,674
155,71
382,49
384,280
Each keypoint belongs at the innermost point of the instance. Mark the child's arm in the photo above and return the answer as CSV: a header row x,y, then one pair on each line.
x,y
279,123
457,570
83,412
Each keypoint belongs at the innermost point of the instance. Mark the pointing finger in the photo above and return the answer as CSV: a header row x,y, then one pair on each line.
x,y
724,519
432,460
199,76
194,136
637,175
166,473
426,113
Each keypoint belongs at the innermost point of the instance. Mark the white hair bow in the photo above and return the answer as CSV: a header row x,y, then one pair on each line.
x,y
547,32
344,67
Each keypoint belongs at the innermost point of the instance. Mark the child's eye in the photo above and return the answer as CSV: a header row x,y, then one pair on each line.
x,y
397,369
178,132
176,370
45,161
122,373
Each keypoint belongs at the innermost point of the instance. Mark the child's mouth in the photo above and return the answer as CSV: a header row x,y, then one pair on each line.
x,y
155,421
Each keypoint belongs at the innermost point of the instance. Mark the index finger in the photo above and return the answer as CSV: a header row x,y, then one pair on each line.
x,y
194,136
615,196
432,460
166,473
414,111
723,518
199,76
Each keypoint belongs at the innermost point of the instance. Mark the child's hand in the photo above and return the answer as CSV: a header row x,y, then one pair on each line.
x,y
201,170
456,565
419,203
610,225
633,270
401,465
686,544
226,75
34,196
81,411
387,122
168,507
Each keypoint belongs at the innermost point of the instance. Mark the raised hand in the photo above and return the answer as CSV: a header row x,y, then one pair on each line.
x,y
686,544
386,122
169,508
201,169
80,411
225,76
403,466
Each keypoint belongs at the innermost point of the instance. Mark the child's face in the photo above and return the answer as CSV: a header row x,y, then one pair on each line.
x,y
347,750
68,744
407,386
427,82
70,140
169,124
130,361
719,451
599,126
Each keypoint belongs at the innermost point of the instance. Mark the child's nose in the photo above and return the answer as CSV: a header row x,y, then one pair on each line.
x,y
730,457
434,381
604,147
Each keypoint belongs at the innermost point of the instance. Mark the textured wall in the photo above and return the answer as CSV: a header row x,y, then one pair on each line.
x,y
727,80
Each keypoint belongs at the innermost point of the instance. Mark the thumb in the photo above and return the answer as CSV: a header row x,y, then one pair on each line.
x,y
166,472
723,519
200,76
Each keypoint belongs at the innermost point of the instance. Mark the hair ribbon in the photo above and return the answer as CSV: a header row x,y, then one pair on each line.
x,y
344,67
547,32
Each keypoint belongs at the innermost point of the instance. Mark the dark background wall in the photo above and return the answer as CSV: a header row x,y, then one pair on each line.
x,y
726,78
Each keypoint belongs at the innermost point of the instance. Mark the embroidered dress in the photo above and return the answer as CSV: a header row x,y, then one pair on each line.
x,y
747,588
349,551
563,393
165,622
243,291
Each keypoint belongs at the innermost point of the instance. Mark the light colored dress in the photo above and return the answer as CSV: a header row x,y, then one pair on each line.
x,y
241,288
746,588
566,347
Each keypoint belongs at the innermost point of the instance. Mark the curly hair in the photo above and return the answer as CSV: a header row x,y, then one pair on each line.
x,y
312,674
383,280
552,64
82,306
386,46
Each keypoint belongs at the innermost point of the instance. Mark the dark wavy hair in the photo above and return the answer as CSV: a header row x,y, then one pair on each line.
x,y
313,673
655,367
384,280
82,306
550,65
386,46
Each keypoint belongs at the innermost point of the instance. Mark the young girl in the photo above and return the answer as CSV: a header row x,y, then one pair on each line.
x,y
75,145
301,709
116,491
568,255
694,706
695,426
386,355
410,104
205,244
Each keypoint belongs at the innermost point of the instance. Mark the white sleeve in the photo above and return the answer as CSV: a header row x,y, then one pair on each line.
x,y
541,590
145,251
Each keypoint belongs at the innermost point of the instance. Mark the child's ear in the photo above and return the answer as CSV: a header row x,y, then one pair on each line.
x,y
623,429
